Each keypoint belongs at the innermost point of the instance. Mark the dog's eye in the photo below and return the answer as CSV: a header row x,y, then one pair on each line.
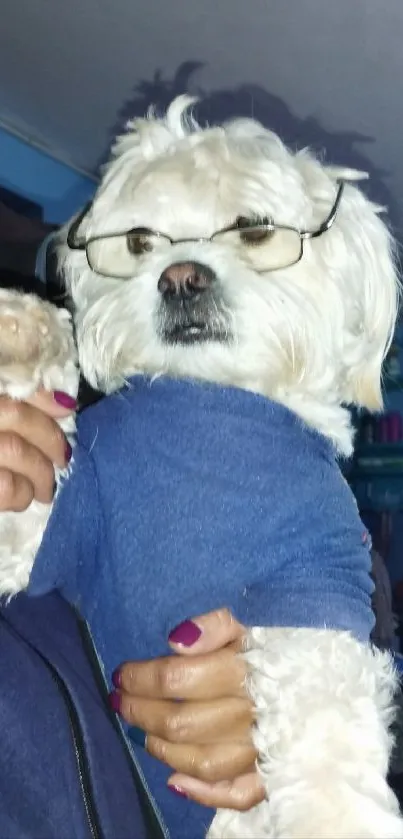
x,y
139,243
256,235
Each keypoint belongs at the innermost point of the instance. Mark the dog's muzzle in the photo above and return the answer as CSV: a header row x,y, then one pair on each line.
x,y
190,307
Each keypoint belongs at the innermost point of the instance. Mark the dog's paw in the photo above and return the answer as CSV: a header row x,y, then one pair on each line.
x,y
36,350
36,346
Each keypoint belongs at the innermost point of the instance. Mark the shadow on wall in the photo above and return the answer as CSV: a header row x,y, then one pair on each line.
x,y
251,100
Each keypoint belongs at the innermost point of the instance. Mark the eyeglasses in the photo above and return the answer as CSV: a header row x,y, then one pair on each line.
x,y
268,246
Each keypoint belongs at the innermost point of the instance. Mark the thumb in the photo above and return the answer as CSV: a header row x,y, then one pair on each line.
x,y
206,633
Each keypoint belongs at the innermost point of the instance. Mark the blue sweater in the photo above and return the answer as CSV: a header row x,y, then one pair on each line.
x,y
187,497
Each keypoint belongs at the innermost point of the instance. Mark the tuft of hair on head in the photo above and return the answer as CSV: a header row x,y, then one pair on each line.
x,y
155,134
145,138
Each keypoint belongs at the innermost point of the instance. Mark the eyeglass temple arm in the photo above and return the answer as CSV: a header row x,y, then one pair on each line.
x,y
327,223
73,243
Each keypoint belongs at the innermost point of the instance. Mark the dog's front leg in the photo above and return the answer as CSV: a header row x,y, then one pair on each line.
x,y
324,704
36,350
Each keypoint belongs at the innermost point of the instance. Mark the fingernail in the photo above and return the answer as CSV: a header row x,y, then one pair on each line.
x,y
117,678
68,451
64,400
178,790
187,633
137,736
114,702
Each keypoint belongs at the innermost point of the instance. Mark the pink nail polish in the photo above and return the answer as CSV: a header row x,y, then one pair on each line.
x,y
178,790
64,400
114,702
117,679
187,633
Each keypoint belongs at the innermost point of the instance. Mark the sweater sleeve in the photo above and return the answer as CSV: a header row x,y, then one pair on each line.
x,y
309,569
322,579
325,589
67,555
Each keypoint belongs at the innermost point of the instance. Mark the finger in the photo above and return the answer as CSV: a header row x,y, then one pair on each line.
x,y
206,633
190,722
16,492
55,404
211,763
17,457
34,426
241,794
206,677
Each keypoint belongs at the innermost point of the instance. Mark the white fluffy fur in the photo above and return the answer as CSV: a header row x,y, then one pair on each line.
x,y
312,337
324,705
36,349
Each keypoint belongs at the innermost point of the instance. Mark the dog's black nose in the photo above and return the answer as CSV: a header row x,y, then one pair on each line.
x,y
185,279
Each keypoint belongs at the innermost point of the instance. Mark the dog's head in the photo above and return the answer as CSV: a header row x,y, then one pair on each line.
x,y
219,254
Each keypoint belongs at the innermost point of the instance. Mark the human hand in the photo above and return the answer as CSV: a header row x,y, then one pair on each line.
x,y
31,444
206,737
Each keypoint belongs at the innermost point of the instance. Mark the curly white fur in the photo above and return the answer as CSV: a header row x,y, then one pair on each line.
x,y
324,704
36,349
313,337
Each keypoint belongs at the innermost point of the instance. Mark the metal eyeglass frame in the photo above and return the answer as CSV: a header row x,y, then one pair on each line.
x,y
82,245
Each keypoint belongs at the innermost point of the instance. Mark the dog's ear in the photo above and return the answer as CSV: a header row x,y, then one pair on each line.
x,y
359,259
372,291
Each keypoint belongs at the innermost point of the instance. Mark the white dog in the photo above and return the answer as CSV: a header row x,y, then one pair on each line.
x,y
217,255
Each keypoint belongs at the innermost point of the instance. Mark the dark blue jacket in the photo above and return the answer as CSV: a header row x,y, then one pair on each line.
x,y
65,772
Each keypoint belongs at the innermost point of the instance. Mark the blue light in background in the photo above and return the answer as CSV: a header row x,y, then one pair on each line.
x,y
33,174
